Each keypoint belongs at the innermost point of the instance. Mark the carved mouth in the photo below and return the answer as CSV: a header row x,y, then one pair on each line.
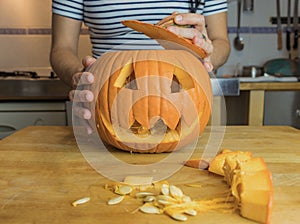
x,y
158,133
159,128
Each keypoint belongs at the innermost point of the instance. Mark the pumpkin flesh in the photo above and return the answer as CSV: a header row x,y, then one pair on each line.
x,y
250,182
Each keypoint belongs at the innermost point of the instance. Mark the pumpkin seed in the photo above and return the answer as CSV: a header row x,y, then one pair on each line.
x,y
149,198
179,217
186,198
191,212
115,200
165,189
80,201
176,192
150,209
123,190
143,194
165,200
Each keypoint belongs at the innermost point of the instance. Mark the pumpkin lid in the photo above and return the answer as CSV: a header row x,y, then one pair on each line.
x,y
161,33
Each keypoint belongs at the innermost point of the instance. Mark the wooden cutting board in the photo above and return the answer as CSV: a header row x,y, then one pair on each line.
x,y
42,171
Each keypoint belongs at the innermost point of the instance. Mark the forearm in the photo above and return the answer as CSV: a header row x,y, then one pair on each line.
x,y
218,34
220,53
64,47
65,64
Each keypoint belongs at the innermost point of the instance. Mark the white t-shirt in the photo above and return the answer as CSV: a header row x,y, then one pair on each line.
x,y
103,18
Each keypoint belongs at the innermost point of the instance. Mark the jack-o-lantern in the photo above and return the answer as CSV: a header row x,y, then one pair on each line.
x,y
151,100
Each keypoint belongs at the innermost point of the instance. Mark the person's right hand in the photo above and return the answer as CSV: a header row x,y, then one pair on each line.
x,y
84,95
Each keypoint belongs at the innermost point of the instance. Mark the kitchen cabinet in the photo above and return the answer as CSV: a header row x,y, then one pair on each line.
x,y
31,98
16,115
282,108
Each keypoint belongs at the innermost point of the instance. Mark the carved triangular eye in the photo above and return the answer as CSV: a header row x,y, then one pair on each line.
x,y
130,82
126,77
175,85
181,80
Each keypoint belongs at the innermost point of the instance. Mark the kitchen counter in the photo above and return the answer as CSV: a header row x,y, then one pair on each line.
x,y
43,171
33,89
55,89
257,97
270,86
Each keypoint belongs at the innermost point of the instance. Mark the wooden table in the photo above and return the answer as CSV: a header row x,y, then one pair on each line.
x,y
42,171
257,97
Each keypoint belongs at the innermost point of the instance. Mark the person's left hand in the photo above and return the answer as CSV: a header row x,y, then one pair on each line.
x,y
84,96
196,32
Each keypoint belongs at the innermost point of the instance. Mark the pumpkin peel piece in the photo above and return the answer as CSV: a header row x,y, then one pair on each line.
x,y
197,163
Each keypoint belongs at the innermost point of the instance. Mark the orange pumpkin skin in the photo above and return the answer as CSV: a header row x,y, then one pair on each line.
x,y
135,96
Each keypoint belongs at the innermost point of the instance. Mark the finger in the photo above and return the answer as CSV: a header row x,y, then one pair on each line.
x,y
208,66
203,42
188,33
191,19
167,19
82,112
71,95
87,61
198,38
82,78
81,96
89,129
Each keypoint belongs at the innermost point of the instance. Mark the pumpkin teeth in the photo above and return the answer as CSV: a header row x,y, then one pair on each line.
x,y
158,128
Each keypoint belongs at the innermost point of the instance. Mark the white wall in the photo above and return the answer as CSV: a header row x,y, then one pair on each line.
x,y
260,44
25,34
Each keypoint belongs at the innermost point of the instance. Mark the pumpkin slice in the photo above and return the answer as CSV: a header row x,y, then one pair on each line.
x,y
231,165
257,205
254,194
250,181
216,165
244,181
160,33
251,185
252,165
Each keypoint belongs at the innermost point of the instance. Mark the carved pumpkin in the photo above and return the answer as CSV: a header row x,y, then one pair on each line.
x,y
151,100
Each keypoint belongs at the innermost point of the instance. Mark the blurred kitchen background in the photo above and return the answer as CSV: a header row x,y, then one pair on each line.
x,y
25,37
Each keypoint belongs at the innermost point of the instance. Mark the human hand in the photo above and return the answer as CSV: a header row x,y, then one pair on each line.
x,y
191,26
83,80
